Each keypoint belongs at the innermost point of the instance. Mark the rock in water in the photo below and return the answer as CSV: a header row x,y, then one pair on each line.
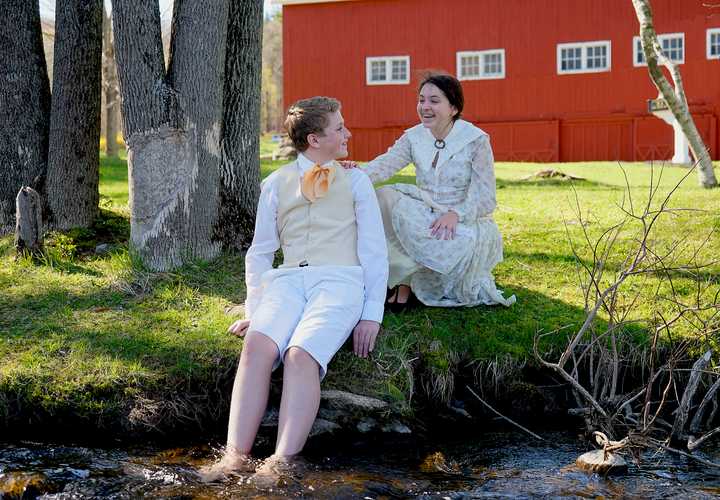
x,y
596,461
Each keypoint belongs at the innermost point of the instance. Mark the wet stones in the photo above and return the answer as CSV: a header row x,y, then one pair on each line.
x,y
600,462
23,485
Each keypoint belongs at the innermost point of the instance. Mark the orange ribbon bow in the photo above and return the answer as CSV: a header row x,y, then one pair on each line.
x,y
316,182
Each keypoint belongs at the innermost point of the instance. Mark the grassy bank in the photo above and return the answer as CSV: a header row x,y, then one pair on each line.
x,y
93,336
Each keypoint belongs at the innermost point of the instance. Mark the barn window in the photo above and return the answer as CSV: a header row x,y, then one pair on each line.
x,y
673,46
713,43
584,57
481,65
394,70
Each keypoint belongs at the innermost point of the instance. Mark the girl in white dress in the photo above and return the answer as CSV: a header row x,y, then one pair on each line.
x,y
442,240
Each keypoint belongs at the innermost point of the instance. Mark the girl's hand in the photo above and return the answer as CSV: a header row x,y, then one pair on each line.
x,y
444,226
348,164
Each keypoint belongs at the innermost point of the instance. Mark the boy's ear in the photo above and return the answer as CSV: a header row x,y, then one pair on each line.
x,y
312,140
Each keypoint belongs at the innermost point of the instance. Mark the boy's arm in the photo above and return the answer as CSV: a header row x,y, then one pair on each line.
x,y
260,255
371,247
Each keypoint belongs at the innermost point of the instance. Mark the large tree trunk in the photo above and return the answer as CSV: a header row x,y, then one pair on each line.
x,y
172,126
73,157
240,172
675,97
24,104
110,86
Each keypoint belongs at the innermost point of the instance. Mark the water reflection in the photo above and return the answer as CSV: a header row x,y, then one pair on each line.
x,y
504,465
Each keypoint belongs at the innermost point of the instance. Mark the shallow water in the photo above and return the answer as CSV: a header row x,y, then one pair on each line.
x,y
499,465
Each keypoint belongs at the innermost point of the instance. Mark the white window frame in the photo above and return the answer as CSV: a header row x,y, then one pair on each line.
x,y
583,57
710,33
637,47
388,70
481,55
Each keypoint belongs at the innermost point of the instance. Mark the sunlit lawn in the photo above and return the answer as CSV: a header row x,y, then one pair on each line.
x,y
89,332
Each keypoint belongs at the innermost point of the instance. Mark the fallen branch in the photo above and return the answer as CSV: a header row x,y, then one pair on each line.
x,y
503,416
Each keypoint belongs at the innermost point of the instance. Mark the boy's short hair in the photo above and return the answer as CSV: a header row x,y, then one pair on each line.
x,y
308,116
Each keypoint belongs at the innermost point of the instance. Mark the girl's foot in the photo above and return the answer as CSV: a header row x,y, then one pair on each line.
x,y
400,295
231,463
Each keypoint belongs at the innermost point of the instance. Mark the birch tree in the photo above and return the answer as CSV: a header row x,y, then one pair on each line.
x,y
172,126
24,104
73,159
673,94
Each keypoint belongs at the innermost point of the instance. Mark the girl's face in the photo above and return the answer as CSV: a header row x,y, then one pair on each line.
x,y
434,109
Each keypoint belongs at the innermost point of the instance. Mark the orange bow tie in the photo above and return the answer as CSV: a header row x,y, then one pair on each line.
x,y
316,182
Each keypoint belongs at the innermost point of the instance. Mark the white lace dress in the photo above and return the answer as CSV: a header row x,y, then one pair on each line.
x,y
448,273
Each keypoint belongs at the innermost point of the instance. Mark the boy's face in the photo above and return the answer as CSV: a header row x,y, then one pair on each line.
x,y
332,143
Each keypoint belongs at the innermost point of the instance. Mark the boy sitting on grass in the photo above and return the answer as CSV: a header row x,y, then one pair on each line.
x,y
332,282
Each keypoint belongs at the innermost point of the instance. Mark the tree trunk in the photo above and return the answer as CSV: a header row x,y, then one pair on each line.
x,y
240,172
73,156
172,126
28,226
24,105
110,86
675,97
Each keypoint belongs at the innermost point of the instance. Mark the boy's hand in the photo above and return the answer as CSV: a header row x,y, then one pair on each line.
x,y
348,164
240,327
364,336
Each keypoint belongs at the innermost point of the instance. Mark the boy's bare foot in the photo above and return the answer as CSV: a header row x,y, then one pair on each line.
x,y
277,470
231,463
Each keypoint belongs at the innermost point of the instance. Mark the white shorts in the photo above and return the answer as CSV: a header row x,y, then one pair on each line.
x,y
314,308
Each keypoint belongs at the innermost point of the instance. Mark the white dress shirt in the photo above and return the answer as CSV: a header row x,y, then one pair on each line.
x,y
371,245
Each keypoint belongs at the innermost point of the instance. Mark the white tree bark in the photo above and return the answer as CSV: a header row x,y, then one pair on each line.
x,y
172,126
675,97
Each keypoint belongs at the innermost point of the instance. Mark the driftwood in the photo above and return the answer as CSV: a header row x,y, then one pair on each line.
x,y
551,173
28,222
684,409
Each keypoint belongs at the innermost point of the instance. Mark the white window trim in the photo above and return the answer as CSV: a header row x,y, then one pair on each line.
x,y
636,40
480,54
583,45
388,70
710,32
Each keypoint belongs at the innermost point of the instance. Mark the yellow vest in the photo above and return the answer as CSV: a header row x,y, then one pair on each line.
x,y
322,233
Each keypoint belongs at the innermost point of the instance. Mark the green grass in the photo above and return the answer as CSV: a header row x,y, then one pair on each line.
x,y
96,336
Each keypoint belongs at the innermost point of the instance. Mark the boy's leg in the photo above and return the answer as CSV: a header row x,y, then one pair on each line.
x,y
300,401
250,392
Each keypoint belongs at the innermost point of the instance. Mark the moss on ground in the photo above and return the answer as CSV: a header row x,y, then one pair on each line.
x,y
96,338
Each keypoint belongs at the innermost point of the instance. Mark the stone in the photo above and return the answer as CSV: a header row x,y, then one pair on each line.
x,y
596,461
271,418
397,428
103,248
24,485
351,403
322,426
366,425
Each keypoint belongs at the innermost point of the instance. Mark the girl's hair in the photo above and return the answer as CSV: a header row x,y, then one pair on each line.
x,y
450,86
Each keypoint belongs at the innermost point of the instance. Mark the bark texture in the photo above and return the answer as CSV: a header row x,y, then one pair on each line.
x,y
29,225
73,156
24,104
240,167
110,88
172,126
675,97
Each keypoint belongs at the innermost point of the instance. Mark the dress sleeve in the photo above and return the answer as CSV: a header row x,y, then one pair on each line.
x,y
480,199
398,156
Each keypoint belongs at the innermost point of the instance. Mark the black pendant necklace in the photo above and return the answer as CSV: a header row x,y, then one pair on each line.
x,y
439,144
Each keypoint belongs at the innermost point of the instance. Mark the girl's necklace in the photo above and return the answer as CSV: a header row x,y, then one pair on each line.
x,y
439,145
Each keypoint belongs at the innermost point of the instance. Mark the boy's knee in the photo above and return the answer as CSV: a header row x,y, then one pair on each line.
x,y
258,346
297,356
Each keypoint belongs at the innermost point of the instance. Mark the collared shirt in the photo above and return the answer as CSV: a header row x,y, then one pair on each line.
x,y
371,245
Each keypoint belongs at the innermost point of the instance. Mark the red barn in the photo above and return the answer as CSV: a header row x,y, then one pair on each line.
x,y
550,80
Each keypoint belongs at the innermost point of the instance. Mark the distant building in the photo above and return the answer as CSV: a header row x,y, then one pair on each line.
x,y
549,80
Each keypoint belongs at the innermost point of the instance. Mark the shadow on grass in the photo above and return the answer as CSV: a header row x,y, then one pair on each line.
x,y
539,183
